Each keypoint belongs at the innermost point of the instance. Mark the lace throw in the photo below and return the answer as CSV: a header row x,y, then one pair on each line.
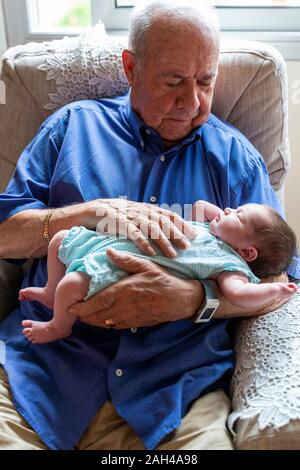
x,y
266,381
85,67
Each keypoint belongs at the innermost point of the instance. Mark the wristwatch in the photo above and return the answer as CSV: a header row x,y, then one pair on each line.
x,y
210,303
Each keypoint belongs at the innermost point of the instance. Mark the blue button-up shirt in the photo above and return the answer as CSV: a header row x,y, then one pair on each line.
x,y
101,149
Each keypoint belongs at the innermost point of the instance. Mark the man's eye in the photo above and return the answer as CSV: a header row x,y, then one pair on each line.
x,y
172,85
204,83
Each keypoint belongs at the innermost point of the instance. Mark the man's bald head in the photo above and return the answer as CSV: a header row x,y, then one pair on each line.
x,y
171,66
151,20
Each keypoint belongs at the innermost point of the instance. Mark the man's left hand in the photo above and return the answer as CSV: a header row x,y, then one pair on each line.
x,y
148,297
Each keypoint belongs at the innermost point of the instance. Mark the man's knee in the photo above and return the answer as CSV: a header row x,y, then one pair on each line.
x,y
203,427
15,433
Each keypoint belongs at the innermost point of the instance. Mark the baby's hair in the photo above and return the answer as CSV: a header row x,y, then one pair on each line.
x,y
276,246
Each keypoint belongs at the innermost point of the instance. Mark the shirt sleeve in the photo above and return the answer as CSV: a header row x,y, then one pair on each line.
x,y
29,186
255,185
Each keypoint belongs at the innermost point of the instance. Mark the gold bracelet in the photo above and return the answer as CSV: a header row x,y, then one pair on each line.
x,y
46,224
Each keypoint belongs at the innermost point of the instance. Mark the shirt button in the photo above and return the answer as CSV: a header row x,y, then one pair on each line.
x,y
133,330
162,158
142,144
148,131
119,372
153,198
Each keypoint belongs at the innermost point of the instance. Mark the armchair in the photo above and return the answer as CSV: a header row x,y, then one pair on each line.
x,y
251,93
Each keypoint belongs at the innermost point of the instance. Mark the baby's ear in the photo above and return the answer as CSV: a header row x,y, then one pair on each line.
x,y
249,254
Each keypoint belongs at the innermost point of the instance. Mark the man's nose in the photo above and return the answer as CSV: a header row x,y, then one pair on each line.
x,y
189,99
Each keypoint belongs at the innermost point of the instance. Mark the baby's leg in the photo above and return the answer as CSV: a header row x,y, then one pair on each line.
x,y
56,270
71,289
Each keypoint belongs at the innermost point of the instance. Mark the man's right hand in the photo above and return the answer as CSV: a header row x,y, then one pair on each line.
x,y
140,222
22,237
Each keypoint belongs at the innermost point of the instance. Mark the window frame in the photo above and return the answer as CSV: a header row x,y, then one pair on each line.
x,y
3,42
255,23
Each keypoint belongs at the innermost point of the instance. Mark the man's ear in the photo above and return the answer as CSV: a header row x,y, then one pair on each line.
x,y
129,65
249,254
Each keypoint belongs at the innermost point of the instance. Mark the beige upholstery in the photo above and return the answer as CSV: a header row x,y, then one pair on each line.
x,y
251,93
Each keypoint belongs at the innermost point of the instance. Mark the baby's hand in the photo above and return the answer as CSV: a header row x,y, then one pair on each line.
x,y
198,213
204,211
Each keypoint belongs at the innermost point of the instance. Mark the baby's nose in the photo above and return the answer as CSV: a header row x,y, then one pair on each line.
x,y
227,210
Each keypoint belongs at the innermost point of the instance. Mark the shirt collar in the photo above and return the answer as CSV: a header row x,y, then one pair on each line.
x,y
136,123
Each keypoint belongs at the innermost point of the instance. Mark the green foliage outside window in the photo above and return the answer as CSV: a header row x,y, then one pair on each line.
x,y
80,15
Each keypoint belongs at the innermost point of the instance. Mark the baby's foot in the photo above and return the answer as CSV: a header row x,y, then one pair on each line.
x,y
42,332
287,290
40,294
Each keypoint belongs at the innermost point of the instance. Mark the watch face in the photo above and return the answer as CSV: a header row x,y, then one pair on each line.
x,y
208,312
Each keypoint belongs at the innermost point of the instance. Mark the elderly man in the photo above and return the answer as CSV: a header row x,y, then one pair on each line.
x,y
138,383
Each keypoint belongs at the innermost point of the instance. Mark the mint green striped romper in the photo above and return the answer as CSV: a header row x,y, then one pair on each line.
x,y
84,250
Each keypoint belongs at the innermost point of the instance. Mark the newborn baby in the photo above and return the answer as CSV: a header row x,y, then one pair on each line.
x,y
227,245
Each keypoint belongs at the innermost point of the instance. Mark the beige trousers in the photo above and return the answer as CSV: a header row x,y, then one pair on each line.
x,y
204,427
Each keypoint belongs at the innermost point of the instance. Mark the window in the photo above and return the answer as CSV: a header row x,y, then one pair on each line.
x,y
59,14
273,21
124,3
230,3
38,20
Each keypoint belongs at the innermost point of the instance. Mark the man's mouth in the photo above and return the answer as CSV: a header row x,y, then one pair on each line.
x,y
179,120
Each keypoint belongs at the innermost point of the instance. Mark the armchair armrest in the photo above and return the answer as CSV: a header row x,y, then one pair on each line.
x,y
10,281
266,381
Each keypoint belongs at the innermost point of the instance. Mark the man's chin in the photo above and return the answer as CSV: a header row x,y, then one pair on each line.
x,y
171,136
177,130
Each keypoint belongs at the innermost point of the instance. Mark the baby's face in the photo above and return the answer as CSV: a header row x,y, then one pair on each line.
x,y
235,226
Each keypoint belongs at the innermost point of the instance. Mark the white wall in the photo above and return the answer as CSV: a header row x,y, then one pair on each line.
x,y
292,185
3,45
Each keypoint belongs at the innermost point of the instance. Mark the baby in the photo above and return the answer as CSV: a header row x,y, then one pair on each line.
x,y
228,243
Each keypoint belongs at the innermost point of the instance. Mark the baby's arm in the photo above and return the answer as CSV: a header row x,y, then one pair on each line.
x,y
239,291
204,211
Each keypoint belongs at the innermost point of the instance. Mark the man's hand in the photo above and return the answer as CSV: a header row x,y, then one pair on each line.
x,y
228,310
148,297
140,222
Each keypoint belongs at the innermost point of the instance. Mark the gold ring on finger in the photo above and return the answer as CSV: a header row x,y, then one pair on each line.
x,y
110,323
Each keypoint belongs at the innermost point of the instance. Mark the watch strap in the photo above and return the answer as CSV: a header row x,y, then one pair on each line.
x,y
209,304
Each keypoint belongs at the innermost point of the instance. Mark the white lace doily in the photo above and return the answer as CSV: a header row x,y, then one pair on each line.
x,y
86,67
266,381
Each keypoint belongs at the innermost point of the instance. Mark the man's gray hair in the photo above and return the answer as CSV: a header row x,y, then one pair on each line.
x,y
146,13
